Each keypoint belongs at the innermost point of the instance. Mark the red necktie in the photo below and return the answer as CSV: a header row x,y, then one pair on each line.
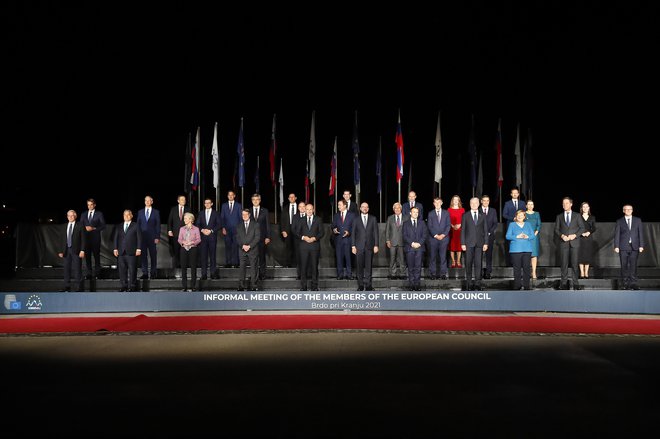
x,y
342,217
180,213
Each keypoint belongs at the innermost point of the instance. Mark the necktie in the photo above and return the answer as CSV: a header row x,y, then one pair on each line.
x,y
146,214
342,217
364,220
474,217
515,204
69,234
256,213
208,216
411,205
415,224
485,211
90,216
180,213
568,219
309,222
231,207
246,226
628,220
125,227
437,213
293,212
398,221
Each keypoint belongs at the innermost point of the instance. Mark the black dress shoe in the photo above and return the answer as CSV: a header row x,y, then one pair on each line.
x,y
369,289
193,289
240,289
443,277
303,289
65,290
634,287
184,289
215,276
123,290
203,278
360,288
340,277
144,276
487,276
315,289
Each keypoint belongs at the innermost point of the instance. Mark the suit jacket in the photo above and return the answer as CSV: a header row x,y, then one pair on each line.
x,y
251,237
623,235
474,235
98,221
78,239
440,227
263,221
126,243
315,231
230,220
353,208
345,226
393,233
575,227
414,234
418,205
364,238
150,229
509,211
491,221
213,224
288,222
173,221
298,223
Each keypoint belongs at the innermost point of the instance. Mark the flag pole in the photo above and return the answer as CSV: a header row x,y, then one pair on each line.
x,y
275,203
200,188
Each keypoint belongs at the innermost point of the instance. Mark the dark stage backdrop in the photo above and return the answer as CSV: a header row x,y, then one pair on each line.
x,y
36,247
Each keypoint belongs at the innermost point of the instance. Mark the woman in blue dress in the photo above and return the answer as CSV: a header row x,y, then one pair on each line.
x,y
521,237
534,220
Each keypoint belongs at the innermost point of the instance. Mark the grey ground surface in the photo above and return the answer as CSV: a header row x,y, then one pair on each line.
x,y
362,384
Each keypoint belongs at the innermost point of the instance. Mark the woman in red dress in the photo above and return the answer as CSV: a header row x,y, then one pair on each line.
x,y
456,212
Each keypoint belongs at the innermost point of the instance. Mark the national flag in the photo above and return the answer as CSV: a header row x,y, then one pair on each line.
x,y
194,177
256,178
333,170
379,168
472,152
216,158
188,166
240,150
518,160
312,151
498,147
399,150
438,153
480,177
281,180
272,153
356,157
307,182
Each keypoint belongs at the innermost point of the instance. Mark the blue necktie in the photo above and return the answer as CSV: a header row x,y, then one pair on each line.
x,y
568,222
69,234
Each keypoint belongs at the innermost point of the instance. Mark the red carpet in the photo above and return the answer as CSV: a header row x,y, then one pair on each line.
x,y
483,323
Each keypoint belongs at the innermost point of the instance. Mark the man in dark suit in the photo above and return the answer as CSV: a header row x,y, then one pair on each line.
x,y
569,226
474,241
629,243
311,231
248,236
415,234
394,242
412,202
94,223
174,224
260,215
491,222
149,222
351,206
128,244
297,229
289,213
364,245
509,214
342,223
230,216
72,249
438,224
208,222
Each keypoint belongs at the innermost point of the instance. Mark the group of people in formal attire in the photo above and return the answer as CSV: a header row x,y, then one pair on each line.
x,y
467,236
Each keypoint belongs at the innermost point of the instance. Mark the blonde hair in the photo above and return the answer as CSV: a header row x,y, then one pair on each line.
x,y
189,215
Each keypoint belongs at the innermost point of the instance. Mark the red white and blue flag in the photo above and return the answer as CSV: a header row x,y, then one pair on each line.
x,y
399,151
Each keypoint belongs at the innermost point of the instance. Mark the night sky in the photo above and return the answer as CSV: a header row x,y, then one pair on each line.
x,y
102,97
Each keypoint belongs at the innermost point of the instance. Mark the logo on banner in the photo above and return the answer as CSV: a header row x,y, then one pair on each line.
x,y
11,303
33,303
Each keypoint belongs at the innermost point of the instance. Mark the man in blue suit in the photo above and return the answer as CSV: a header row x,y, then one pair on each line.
x,y
342,223
438,224
94,223
509,214
415,235
629,243
491,223
149,222
412,202
364,245
259,214
230,216
208,222
128,244
474,242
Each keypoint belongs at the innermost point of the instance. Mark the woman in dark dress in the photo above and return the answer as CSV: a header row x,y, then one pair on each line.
x,y
587,250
